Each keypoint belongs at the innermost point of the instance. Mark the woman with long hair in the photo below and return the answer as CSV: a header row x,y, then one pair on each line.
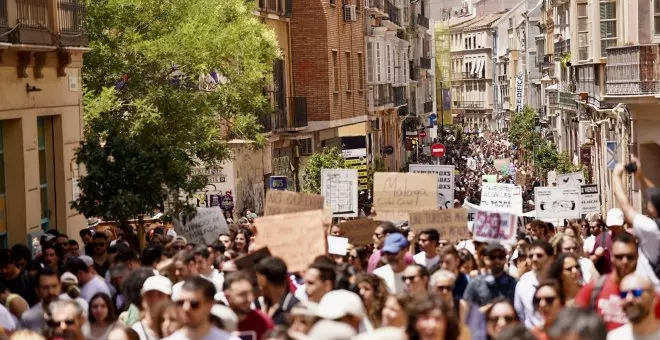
x,y
548,301
571,245
394,311
102,316
565,270
430,318
373,291
358,258
167,318
242,241
500,315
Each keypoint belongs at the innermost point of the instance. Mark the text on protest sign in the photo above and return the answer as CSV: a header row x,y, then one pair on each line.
x,y
282,202
451,223
498,164
339,187
491,226
557,202
589,199
404,192
574,179
360,232
501,197
297,237
204,228
446,183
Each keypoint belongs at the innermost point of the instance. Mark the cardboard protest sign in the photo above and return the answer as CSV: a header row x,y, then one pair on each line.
x,y
396,194
557,202
489,178
359,232
339,187
445,181
451,223
501,197
282,202
589,199
337,245
250,260
501,163
491,226
204,228
297,238
570,180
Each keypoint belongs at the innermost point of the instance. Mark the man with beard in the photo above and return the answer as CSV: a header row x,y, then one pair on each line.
x,y
639,297
252,323
496,283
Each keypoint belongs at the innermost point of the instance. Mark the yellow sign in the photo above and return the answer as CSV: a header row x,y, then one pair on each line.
x,y
359,167
363,180
362,173
355,161
364,187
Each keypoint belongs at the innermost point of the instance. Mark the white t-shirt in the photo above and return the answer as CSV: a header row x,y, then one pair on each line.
x,y
422,260
393,280
523,300
649,242
589,244
588,269
94,286
626,332
6,320
214,333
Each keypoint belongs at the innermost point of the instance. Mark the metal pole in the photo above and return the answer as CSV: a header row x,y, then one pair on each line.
x,y
442,110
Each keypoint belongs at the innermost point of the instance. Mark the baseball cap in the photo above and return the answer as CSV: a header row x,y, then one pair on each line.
x,y
228,317
339,303
394,243
87,259
331,330
68,277
157,283
614,217
493,247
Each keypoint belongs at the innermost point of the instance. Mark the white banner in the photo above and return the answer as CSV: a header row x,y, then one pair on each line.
x,y
501,197
445,181
339,187
494,227
557,202
204,228
589,199
520,88
570,180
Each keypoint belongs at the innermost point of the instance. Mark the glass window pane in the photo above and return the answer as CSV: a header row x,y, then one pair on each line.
x,y
43,178
608,29
2,174
44,203
41,132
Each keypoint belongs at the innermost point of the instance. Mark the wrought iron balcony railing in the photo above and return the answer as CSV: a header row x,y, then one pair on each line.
x,y
470,104
563,47
422,21
400,96
633,70
425,63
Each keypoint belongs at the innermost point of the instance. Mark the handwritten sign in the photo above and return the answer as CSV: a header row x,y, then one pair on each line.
x,y
339,187
360,232
589,199
557,202
282,202
451,223
399,193
297,238
446,183
491,226
337,245
204,228
501,197
570,180
499,164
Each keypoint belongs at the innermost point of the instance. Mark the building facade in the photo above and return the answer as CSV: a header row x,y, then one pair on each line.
x,y
41,51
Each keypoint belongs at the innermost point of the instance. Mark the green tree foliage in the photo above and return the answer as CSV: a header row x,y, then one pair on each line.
x,y
329,158
148,121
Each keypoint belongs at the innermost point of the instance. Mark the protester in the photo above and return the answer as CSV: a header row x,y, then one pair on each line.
x,y
500,314
394,311
639,298
541,254
274,286
548,302
168,318
239,292
394,250
90,282
64,319
565,270
15,279
443,285
450,261
428,242
430,318
374,292
101,316
574,323
415,280
319,280
381,232
155,290
482,290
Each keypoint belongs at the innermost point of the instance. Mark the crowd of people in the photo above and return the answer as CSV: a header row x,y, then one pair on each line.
x,y
592,279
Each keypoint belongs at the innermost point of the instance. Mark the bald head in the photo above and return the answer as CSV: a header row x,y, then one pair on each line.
x,y
638,296
634,281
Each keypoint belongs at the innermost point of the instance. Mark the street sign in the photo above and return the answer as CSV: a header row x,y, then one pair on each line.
x,y
422,134
438,150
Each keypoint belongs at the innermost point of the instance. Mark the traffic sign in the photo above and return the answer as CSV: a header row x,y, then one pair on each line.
x,y
422,134
438,150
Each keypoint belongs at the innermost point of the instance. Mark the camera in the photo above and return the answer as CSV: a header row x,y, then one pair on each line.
x,y
631,168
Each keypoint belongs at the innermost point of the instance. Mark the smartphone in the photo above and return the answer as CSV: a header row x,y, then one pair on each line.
x,y
631,168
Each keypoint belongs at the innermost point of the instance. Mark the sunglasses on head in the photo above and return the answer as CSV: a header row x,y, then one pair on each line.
x,y
193,304
68,322
635,292
548,300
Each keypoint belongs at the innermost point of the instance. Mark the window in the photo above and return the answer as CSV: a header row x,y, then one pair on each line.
x,y
466,43
305,146
3,193
405,66
379,63
510,22
656,16
360,63
388,61
474,41
45,139
583,31
370,62
349,72
335,70
607,25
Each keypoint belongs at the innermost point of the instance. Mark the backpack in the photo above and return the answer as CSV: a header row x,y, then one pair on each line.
x,y
598,287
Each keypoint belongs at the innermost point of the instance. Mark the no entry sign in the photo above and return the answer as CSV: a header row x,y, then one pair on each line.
x,y
438,150
422,134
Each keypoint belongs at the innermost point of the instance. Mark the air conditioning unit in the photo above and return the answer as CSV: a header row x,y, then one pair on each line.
x,y
350,13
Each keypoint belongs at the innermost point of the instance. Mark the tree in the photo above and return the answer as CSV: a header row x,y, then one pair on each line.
x,y
167,84
522,132
329,158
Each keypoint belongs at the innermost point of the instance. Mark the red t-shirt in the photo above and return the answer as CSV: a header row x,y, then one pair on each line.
x,y
254,326
609,304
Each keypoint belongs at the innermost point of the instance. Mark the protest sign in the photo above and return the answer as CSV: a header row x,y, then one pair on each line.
x,y
489,178
557,202
297,238
337,245
501,197
552,178
396,194
248,261
589,199
491,226
570,180
501,163
359,232
282,202
445,175
339,187
204,228
451,223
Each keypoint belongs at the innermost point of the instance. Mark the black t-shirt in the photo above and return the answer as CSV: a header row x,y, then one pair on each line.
x,y
23,286
101,269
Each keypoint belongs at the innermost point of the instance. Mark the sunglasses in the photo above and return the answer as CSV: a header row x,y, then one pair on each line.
x,y
629,257
548,300
54,324
411,278
193,304
635,292
497,257
507,318
444,288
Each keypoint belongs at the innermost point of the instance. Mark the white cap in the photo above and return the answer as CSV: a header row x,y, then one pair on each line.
x,y
171,232
339,303
158,283
614,217
384,333
87,259
330,330
228,317
68,277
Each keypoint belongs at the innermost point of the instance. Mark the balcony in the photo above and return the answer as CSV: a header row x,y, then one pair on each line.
x,y
393,13
563,47
422,21
425,63
295,117
71,15
465,76
567,99
382,95
547,61
469,104
633,70
428,106
280,7
400,96
33,22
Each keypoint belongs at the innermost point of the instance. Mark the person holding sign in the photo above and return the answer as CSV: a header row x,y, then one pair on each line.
x,y
394,250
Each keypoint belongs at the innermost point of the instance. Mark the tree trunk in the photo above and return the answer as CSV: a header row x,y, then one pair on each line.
x,y
142,241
